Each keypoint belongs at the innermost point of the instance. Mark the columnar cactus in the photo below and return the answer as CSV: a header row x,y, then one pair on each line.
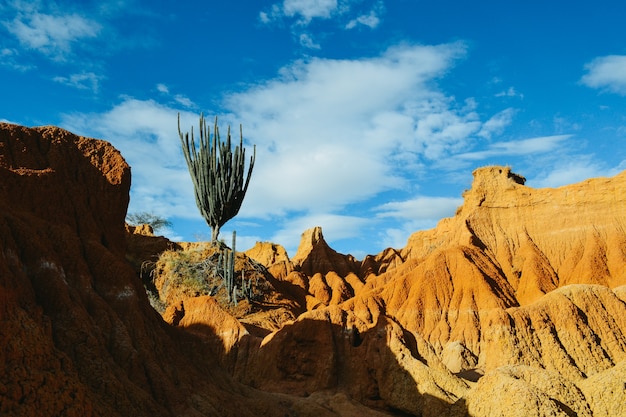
x,y
217,174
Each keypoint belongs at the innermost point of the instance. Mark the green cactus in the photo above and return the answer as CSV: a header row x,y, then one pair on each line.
x,y
217,174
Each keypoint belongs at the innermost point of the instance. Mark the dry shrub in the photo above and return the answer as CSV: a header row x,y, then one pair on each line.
x,y
197,270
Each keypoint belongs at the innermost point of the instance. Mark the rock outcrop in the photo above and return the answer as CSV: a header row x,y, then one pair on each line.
x,y
77,334
514,306
521,291
540,238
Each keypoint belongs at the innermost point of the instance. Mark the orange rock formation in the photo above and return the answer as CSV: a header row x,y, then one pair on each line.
x,y
77,334
521,285
515,306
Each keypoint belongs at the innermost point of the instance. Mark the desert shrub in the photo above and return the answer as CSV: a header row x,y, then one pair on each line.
x,y
155,221
198,271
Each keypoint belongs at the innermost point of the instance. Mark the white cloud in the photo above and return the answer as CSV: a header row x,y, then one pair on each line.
x,y
306,10
394,237
49,34
9,58
301,13
442,128
497,123
82,81
420,208
184,101
510,92
539,145
371,20
329,132
162,88
607,73
307,41
177,98
570,171
419,213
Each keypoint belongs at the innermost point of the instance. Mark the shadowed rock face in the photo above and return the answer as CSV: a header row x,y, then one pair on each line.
x,y
69,300
515,306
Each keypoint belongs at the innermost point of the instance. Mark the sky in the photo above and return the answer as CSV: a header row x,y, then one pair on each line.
x,y
368,116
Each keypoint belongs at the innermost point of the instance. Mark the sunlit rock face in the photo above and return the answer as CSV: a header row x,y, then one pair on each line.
x,y
521,291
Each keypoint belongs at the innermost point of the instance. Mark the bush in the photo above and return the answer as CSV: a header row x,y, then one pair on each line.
x,y
199,271
156,222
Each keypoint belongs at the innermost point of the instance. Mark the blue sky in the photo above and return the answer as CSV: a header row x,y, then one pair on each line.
x,y
368,116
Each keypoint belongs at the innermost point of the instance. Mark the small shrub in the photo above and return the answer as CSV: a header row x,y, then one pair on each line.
x,y
156,222
200,271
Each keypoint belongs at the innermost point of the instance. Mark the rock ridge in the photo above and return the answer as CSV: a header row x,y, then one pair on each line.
x,y
522,292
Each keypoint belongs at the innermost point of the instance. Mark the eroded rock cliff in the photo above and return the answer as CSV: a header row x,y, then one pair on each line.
x,y
520,292
77,334
515,306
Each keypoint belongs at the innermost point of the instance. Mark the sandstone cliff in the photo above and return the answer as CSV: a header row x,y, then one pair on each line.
x,y
524,286
515,306
77,334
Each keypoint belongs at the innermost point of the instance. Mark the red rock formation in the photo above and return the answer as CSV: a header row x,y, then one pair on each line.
x,y
143,247
315,256
540,238
77,334
524,286
515,306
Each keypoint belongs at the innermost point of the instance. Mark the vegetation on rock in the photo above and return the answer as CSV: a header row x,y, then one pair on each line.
x,y
151,219
204,270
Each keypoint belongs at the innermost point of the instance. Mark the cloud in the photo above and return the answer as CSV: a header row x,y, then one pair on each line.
x,y
309,9
302,10
81,34
607,73
370,20
300,14
177,98
306,40
184,101
9,59
538,145
82,81
330,135
570,171
52,35
510,92
333,132
162,88
497,123
418,213
420,208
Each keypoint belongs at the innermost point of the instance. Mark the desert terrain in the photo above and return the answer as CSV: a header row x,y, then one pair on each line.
x,y
515,306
